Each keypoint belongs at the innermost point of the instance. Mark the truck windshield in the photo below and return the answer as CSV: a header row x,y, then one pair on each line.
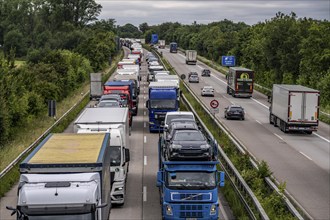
x,y
115,155
163,104
88,216
191,180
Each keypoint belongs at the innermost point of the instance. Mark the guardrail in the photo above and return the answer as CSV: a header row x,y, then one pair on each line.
x,y
229,167
14,162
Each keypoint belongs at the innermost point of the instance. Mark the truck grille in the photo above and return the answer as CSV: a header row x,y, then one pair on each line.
x,y
191,211
191,196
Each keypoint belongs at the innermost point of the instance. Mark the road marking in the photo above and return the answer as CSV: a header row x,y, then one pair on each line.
x,y
145,139
200,67
181,55
145,160
144,113
321,137
144,194
279,137
144,124
258,121
259,103
144,97
305,155
224,82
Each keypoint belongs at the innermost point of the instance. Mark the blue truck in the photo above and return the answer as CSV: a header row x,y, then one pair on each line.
x,y
133,91
188,189
173,47
154,39
163,98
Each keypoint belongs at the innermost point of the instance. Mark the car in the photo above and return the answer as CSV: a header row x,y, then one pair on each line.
x,y
234,112
193,79
206,72
192,73
187,145
207,91
170,116
117,97
176,126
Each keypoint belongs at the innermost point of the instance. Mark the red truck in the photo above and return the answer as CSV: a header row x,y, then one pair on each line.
x,y
124,92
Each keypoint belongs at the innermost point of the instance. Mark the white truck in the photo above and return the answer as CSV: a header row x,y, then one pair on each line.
x,y
114,121
66,177
96,88
161,44
294,108
128,74
191,57
167,78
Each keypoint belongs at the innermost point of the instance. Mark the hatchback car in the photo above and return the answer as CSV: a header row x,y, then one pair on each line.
x,y
193,79
206,72
207,91
109,104
234,111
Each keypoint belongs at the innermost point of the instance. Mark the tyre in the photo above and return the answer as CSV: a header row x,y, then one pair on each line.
x,y
228,90
243,119
270,119
309,132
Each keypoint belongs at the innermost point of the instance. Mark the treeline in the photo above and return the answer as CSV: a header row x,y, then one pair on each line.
x,y
60,42
284,49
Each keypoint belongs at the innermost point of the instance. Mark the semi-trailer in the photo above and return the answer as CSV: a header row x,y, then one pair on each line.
x,y
294,108
66,177
240,82
191,57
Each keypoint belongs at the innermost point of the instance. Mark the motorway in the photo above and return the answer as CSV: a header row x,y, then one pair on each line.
x,y
299,160
142,198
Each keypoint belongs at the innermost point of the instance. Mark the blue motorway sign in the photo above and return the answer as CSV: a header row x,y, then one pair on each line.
x,y
228,61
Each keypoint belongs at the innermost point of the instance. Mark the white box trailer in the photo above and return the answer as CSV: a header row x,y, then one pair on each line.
x,y
294,108
66,177
161,44
191,57
167,78
114,121
96,87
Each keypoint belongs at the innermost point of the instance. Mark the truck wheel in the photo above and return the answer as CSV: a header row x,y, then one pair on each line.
x,y
309,132
275,121
232,93
271,119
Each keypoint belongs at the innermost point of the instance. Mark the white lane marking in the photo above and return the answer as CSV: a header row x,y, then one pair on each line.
x,y
223,212
144,113
145,139
200,67
224,82
258,121
259,103
145,160
321,137
144,124
279,137
305,155
181,55
144,194
144,97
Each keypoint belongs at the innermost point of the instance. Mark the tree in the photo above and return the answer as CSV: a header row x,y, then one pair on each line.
x,y
143,27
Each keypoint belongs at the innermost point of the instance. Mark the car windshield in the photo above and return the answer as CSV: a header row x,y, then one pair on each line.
x,y
191,180
235,109
169,118
115,155
163,104
108,104
188,136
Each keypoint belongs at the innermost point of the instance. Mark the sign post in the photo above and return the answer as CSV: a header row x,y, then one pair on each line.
x,y
214,107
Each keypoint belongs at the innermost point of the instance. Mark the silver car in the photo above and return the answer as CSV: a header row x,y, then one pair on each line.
x,y
207,91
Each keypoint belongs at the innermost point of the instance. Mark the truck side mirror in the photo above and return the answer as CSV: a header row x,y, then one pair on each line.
x,y
222,178
147,104
127,156
159,178
102,205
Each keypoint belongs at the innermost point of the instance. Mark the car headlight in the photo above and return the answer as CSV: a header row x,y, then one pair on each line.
x,y
176,146
205,146
213,209
169,210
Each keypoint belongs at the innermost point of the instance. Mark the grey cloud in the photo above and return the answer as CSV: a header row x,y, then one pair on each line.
x,y
250,12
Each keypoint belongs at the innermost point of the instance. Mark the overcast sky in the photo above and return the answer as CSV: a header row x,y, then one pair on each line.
x,y
186,12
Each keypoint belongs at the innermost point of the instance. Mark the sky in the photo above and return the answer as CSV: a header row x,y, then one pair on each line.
x,y
203,12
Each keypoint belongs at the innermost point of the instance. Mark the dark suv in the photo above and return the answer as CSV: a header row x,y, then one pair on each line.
x,y
206,72
187,145
179,125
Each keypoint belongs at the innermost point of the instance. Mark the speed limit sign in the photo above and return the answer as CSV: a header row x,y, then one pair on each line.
x,y
214,104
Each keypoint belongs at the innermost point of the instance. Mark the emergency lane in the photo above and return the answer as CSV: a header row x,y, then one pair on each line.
x,y
306,180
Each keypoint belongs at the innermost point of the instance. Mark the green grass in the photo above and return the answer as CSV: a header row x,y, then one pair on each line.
x,y
19,63
30,132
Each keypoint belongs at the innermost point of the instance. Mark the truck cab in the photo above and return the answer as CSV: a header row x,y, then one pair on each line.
x,y
163,98
173,47
189,189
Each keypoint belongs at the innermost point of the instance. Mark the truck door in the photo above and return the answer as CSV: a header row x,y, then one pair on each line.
x,y
311,107
296,106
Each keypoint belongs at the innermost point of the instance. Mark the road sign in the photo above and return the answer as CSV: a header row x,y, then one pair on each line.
x,y
228,61
215,110
214,104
